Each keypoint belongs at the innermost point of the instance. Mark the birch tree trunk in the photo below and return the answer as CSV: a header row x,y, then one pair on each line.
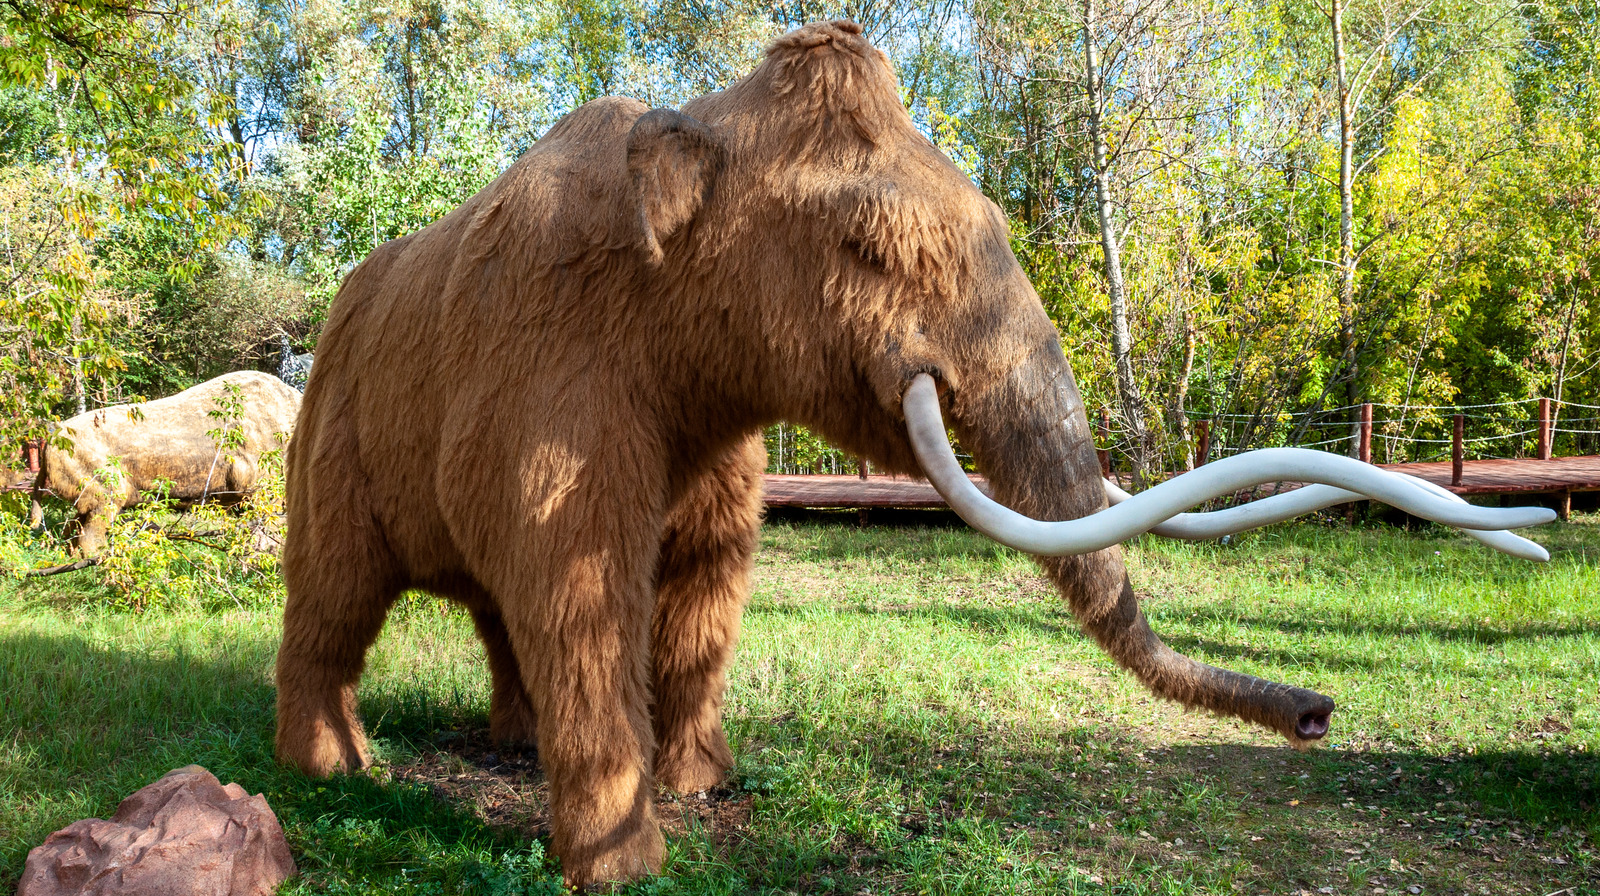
x,y
1347,253
1116,289
79,389
1180,393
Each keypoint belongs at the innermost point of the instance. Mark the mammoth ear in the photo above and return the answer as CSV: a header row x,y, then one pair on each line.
x,y
673,161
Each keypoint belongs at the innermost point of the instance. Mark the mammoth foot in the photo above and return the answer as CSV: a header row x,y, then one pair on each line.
x,y
693,767
325,752
512,720
321,743
618,860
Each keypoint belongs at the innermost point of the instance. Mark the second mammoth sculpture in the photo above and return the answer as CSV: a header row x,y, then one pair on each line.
x,y
547,406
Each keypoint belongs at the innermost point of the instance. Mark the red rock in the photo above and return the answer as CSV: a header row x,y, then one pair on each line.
x,y
184,835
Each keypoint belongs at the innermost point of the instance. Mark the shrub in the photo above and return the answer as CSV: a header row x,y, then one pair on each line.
x,y
206,555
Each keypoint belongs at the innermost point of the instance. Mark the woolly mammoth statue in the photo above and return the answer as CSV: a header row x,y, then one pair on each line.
x,y
547,406
105,460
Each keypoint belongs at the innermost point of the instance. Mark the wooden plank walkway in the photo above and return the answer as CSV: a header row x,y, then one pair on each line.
x,y
830,492
1562,475
1512,476
1558,476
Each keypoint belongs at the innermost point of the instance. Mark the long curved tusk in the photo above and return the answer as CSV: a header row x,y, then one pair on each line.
x,y
925,425
1217,523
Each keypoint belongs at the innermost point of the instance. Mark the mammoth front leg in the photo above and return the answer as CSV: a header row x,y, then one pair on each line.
x,y
575,600
340,586
96,510
701,589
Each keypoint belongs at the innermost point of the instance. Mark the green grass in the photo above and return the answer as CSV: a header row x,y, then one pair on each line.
x,y
913,711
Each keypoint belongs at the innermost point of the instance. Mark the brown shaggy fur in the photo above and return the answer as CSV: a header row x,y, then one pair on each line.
x,y
547,405
162,440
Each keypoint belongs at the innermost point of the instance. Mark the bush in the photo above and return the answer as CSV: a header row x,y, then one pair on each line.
x,y
206,555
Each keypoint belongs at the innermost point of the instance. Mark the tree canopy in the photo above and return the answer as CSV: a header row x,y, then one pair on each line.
x,y
1247,209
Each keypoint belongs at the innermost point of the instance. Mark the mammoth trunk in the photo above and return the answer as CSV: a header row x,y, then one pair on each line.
x,y
1032,439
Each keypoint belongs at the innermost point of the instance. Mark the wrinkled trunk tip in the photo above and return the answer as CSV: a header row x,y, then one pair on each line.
x,y
1311,727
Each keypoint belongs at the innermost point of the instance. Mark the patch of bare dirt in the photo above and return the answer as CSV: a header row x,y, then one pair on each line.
x,y
506,788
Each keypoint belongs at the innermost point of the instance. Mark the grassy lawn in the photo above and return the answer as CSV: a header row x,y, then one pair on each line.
x,y
914,712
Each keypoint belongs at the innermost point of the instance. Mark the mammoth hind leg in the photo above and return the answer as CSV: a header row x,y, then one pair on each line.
x,y
702,584
35,504
512,719
340,583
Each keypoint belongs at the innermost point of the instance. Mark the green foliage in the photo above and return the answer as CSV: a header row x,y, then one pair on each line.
x,y
795,449
403,112
164,555
128,79
129,144
228,436
204,556
227,317
29,124
18,544
591,43
161,556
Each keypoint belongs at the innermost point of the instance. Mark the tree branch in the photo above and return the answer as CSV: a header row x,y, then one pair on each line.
x,y
74,566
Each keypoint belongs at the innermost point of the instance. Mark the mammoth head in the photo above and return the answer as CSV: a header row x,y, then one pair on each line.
x,y
805,197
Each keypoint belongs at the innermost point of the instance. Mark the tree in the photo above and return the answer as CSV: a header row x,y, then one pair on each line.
x,y
128,139
1403,47
401,112
1133,410
1108,126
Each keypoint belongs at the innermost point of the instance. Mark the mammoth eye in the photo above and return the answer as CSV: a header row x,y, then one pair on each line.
x,y
866,252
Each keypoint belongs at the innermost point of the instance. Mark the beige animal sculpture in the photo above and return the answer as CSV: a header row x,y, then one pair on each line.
x,y
166,440
547,405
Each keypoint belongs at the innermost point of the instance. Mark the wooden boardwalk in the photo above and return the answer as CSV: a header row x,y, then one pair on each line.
x,y
1559,476
1512,476
836,492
